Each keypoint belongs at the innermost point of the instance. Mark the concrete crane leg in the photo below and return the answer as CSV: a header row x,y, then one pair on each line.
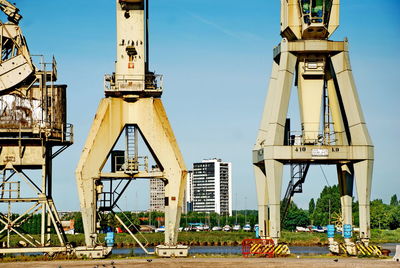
x,y
262,197
358,136
271,132
346,183
274,171
363,172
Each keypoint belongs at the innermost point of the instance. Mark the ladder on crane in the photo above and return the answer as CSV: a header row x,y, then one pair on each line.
x,y
131,153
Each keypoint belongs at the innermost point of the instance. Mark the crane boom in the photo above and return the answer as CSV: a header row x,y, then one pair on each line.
x,y
11,11
16,65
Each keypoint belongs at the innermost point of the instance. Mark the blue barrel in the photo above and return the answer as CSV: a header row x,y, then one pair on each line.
x,y
257,229
109,239
347,231
331,231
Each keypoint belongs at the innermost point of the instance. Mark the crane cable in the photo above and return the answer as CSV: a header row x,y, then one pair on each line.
x,y
326,179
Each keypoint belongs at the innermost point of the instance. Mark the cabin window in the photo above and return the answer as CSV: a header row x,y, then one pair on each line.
x,y
316,11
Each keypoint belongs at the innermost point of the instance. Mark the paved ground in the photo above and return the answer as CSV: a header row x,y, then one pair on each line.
x,y
211,263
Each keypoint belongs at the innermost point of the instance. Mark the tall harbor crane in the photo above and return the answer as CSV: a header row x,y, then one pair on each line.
x,y
33,121
132,107
333,129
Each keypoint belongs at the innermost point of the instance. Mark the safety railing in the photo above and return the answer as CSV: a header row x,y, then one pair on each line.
x,y
10,189
43,66
15,129
314,138
131,165
148,82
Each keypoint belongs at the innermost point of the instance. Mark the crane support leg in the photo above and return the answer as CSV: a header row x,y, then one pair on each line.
x,y
363,172
271,132
262,196
359,136
274,170
150,118
346,183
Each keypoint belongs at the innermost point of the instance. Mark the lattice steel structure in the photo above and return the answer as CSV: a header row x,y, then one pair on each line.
x,y
33,131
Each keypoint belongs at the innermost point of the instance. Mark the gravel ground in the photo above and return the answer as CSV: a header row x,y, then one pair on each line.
x,y
211,263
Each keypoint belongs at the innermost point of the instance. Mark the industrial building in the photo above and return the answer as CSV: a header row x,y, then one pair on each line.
x,y
212,186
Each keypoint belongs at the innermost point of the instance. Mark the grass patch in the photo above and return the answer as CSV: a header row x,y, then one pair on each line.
x,y
224,238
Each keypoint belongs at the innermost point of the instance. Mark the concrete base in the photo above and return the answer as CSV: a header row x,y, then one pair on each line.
x,y
99,252
397,256
351,248
334,247
48,250
172,251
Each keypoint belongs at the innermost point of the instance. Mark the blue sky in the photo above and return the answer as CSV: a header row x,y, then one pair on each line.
x,y
216,59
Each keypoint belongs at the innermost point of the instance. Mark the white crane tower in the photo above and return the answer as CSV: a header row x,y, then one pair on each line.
x,y
132,105
333,128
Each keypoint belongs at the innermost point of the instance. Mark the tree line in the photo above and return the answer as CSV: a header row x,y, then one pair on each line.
x,y
326,209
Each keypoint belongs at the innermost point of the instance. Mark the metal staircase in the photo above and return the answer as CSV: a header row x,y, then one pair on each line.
x,y
111,196
298,175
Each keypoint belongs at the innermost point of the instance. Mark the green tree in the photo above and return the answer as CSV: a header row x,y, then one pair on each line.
x,y
394,201
311,206
394,216
327,204
356,214
295,217
380,214
78,223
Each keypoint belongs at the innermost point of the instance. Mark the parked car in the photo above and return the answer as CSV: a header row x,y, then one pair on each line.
x,y
247,228
217,228
226,228
160,229
319,229
302,229
147,228
236,227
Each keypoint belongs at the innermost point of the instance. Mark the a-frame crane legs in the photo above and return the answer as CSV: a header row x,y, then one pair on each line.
x,y
149,116
351,151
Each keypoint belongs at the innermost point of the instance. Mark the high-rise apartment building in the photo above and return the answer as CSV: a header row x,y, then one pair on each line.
x,y
212,187
157,195
188,197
